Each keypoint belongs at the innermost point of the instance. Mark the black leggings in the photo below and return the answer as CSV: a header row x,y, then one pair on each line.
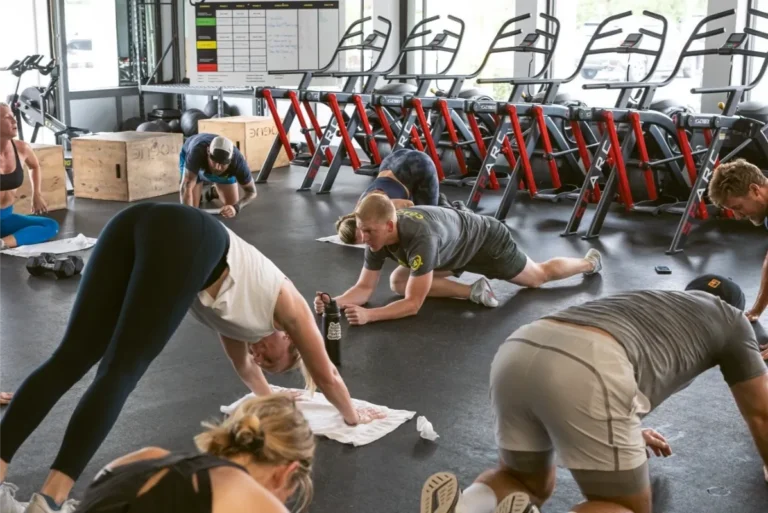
x,y
150,262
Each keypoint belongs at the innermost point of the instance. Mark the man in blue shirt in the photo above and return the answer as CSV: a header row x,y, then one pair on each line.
x,y
209,158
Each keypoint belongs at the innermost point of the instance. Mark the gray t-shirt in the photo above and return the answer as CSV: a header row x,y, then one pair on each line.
x,y
437,238
671,337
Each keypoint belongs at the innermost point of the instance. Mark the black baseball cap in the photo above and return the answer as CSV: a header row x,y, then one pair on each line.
x,y
720,286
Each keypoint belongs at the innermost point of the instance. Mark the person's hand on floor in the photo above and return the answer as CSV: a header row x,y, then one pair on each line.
x,y
5,398
754,313
357,315
228,211
39,205
368,415
657,443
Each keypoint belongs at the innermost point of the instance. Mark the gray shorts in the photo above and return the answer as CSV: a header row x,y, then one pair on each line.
x,y
559,389
499,258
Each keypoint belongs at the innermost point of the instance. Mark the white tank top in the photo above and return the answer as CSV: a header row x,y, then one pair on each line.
x,y
244,308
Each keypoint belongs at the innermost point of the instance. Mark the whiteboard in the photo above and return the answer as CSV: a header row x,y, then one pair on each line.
x,y
235,43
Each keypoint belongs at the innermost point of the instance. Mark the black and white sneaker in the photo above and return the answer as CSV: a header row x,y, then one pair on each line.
x,y
440,493
517,502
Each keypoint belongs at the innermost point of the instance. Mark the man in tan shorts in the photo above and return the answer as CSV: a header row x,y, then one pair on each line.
x,y
577,384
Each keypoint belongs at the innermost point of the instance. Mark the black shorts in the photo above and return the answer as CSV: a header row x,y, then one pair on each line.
x,y
499,258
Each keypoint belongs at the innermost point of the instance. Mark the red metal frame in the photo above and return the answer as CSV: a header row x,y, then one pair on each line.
x,y
278,123
316,126
553,173
458,150
296,107
416,104
521,150
333,103
581,143
624,190
358,101
494,183
385,124
650,184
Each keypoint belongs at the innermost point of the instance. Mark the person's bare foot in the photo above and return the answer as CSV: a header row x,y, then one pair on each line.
x,y
5,398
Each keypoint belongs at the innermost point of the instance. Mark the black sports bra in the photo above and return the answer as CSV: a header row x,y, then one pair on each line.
x,y
14,179
115,491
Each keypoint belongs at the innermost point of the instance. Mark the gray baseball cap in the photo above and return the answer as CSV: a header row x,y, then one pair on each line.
x,y
221,150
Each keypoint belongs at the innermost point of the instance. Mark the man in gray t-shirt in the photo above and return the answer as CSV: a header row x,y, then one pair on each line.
x,y
432,243
577,383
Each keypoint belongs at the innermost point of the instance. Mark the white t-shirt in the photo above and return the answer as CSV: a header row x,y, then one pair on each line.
x,y
244,308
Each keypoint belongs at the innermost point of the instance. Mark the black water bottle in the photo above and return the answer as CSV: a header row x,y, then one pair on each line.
x,y
332,330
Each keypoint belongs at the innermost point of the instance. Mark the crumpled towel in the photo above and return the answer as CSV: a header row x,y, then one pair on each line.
x,y
325,420
334,239
56,247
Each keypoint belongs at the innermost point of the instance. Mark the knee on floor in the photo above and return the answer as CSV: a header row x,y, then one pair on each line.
x,y
397,283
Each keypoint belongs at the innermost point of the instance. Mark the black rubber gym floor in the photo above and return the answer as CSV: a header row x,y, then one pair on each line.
x,y
436,363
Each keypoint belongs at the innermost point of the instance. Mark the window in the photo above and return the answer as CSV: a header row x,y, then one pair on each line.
x,y
353,11
761,45
92,50
682,17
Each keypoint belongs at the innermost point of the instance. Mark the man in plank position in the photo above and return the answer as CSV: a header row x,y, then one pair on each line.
x,y
432,243
579,381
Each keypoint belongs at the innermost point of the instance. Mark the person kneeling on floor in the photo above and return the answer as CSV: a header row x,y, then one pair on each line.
x,y
19,230
433,243
408,178
254,460
213,159
554,383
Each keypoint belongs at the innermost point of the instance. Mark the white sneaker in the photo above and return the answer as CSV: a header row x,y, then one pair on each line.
x,y
596,259
440,493
482,293
38,504
517,502
8,502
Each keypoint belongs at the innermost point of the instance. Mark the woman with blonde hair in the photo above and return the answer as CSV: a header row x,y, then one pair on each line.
x,y
153,263
253,461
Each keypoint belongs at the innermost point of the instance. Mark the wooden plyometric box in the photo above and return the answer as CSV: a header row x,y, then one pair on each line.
x,y
253,135
126,166
53,176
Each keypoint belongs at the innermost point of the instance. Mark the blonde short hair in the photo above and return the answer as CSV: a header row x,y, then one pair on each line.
x,y
272,431
733,179
376,208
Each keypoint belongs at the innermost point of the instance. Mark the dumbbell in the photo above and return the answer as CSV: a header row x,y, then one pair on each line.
x,y
60,267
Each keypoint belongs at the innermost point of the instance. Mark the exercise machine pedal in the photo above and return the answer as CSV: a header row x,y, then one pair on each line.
x,y
368,170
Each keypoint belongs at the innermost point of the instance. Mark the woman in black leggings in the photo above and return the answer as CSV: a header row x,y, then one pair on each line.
x,y
133,295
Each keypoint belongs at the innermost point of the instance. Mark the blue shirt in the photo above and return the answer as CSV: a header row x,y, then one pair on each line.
x,y
196,159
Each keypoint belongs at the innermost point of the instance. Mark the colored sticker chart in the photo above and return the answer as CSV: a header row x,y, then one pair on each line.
x,y
238,43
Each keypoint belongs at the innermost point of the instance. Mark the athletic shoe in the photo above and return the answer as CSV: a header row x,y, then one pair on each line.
x,y
517,502
440,493
38,504
482,293
8,502
442,200
596,258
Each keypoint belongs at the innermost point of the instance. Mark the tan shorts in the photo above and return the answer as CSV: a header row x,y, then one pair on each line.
x,y
563,389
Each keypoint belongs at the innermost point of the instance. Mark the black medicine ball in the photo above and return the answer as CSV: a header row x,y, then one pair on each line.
x,y
720,286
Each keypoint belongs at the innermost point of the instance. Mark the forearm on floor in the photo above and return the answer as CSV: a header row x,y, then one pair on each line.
x,y
759,430
247,198
357,296
396,310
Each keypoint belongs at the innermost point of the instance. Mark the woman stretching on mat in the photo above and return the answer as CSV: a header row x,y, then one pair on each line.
x,y
133,295
408,178
253,461
17,230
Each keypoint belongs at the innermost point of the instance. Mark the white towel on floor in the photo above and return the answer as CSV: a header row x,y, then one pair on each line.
x,y
325,420
334,239
56,247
